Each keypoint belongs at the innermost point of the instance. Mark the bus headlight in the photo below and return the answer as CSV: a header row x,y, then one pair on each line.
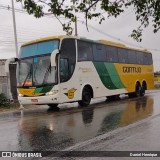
x,y
20,95
52,92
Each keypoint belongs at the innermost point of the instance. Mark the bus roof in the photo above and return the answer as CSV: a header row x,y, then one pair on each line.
x,y
120,45
43,39
110,43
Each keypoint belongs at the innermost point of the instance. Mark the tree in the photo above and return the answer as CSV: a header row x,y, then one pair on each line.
x,y
146,11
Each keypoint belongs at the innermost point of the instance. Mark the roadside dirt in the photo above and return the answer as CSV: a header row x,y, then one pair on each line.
x,y
15,107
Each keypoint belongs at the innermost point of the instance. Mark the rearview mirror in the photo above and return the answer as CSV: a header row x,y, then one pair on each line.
x,y
53,57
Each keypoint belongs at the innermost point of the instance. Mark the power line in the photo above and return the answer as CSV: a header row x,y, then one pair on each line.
x,y
46,15
82,22
118,39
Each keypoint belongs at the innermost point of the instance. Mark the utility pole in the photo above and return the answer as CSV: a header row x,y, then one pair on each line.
x,y
75,28
76,33
14,27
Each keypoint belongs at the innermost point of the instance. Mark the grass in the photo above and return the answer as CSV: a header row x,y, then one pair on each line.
x,y
13,107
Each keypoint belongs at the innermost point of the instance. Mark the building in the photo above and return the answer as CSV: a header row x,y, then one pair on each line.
x,y
3,79
4,87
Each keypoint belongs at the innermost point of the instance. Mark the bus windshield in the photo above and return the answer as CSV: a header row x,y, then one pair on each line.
x,y
36,71
35,66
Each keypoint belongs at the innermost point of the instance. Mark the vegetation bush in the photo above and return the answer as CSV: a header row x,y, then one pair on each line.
x,y
157,86
4,102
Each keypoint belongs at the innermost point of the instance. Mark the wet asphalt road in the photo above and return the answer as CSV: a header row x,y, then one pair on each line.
x,y
49,131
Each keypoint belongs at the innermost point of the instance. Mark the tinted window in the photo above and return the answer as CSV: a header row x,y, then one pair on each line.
x,y
149,56
39,48
112,55
84,51
67,59
139,57
132,58
122,55
145,58
99,53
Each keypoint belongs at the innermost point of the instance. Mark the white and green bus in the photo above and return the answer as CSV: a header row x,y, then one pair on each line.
x,y
65,69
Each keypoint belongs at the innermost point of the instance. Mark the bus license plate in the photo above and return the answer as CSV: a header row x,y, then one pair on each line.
x,y
34,100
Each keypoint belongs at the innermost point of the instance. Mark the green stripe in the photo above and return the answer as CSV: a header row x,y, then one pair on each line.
x,y
38,90
108,75
114,75
43,89
46,89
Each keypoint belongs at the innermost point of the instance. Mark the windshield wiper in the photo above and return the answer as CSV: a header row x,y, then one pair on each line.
x,y
46,74
28,75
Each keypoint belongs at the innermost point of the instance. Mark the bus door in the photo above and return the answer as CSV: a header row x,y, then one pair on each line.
x,y
68,79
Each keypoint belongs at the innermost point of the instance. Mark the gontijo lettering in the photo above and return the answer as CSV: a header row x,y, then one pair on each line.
x,y
131,69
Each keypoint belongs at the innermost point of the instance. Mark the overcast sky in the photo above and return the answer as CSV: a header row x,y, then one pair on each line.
x,y
30,28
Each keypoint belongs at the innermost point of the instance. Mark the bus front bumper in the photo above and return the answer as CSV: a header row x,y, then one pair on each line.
x,y
48,99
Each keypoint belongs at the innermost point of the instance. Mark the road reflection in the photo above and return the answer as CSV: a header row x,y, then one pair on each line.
x,y
137,110
58,130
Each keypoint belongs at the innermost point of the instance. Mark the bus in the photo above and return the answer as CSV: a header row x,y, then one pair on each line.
x,y
62,69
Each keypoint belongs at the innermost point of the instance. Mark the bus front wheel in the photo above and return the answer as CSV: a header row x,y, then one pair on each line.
x,y
86,97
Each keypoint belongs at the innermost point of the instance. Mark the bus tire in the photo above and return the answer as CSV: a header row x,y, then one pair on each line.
x,y
138,89
53,107
142,93
86,97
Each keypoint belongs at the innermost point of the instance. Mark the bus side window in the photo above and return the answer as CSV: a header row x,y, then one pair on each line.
x,y
99,52
149,56
139,57
111,53
84,51
122,55
145,58
132,58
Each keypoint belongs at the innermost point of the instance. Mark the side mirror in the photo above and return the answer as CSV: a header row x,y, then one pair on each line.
x,y
53,57
8,61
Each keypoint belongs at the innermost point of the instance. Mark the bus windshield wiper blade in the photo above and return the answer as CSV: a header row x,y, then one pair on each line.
x,y
46,74
29,73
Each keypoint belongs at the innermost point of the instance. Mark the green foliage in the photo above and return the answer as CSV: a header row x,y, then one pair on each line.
x,y
137,34
4,102
146,11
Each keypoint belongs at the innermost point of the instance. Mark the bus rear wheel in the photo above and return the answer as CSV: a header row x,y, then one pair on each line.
x,y
142,93
138,89
137,92
53,107
86,97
